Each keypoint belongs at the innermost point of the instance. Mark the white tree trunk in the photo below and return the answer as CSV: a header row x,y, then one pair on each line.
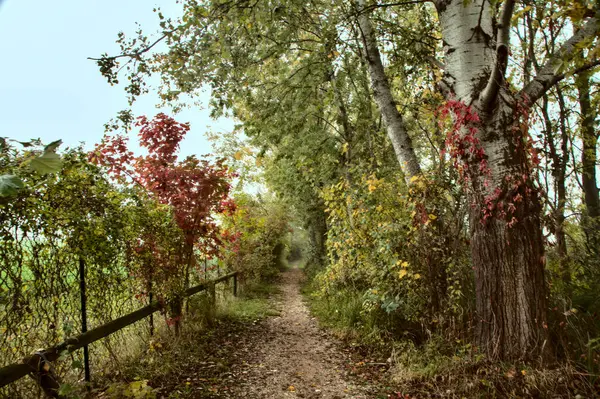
x,y
467,33
382,93
508,254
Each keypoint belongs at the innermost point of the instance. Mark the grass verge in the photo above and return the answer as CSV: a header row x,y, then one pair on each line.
x,y
195,364
421,364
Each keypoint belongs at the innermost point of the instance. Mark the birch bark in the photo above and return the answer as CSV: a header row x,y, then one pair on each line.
x,y
507,248
508,258
382,93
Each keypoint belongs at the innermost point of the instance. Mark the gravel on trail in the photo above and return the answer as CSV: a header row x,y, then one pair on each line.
x,y
293,357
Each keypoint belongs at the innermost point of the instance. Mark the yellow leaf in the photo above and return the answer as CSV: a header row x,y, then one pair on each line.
x,y
238,155
432,216
523,372
291,388
404,264
402,273
417,276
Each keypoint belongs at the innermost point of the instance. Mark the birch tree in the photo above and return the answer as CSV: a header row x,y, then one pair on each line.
x,y
506,239
492,142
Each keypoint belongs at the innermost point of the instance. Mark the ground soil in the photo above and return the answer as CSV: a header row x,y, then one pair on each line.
x,y
284,356
295,358
287,355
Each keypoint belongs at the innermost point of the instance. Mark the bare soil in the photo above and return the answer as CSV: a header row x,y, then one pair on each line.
x,y
293,358
290,356
284,356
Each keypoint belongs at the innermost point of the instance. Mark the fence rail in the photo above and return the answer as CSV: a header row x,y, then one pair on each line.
x,y
39,365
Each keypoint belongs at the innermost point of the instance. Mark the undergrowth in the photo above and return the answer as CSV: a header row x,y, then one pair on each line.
x,y
185,366
439,366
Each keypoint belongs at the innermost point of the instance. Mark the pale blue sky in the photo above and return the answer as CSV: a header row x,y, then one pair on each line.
x,y
48,88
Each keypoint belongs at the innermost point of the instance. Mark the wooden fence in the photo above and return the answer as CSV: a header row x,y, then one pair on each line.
x,y
39,365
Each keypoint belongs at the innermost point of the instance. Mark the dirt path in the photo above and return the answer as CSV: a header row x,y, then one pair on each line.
x,y
292,357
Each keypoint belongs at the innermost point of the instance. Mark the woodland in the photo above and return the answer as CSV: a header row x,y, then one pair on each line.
x,y
431,164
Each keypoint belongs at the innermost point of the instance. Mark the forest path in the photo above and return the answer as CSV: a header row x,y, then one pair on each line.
x,y
292,358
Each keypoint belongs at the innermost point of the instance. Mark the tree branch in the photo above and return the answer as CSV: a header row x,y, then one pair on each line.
x,y
548,75
368,9
489,94
435,62
137,54
584,68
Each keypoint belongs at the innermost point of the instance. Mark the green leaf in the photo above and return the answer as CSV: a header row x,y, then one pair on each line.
x,y
49,162
76,364
9,185
66,389
63,354
52,146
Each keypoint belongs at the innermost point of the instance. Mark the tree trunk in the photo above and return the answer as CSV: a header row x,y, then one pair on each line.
x,y
318,233
510,287
561,192
382,93
590,141
506,239
402,143
507,248
559,170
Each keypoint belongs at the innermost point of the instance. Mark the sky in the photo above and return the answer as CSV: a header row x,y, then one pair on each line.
x,y
50,90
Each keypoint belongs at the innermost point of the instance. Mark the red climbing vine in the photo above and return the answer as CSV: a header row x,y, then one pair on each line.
x,y
469,158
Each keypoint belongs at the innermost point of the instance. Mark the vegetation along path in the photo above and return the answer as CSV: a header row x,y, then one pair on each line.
x,y
285,355
294,358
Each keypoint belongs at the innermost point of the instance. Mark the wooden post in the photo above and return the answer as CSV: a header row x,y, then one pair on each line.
x,y
212,299
235,285
151,314
86,355
150,297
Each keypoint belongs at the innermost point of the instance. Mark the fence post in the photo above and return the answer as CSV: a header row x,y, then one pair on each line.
x,y
150,303
212,299
86,354
235,284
